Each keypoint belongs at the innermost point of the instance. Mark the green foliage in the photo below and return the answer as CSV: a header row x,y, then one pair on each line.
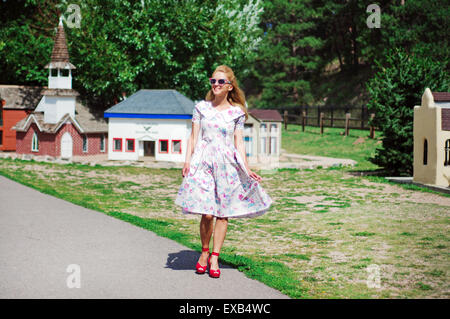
x,y
123,46
394,90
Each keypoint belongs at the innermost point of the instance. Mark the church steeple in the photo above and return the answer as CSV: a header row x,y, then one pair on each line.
x,y
60,68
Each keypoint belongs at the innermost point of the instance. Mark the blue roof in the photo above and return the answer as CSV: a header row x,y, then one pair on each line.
x,y
153,104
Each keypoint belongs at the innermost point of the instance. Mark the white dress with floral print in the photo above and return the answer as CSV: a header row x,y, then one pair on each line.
x,y
217,182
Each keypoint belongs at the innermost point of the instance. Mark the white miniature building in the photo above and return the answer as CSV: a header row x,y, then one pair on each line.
x,y
153,124
432,139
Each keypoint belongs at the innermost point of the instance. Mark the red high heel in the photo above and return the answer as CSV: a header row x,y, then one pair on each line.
x,y
213,273
199,268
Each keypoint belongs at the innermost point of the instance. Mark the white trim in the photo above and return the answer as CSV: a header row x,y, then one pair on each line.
x,y
27,125
74,122
37,142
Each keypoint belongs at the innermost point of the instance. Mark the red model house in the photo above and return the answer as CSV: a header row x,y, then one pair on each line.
x,y
60,126
16,103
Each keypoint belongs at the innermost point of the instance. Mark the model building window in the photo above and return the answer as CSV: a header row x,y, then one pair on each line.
x,y
117,143
273,128
163,146
102,143
273,145
85,144
176,146
447,153
64,72
35,143
425,152
130,145
53,72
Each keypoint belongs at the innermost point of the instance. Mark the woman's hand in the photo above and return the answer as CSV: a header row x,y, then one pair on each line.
x,y
254,175
185,170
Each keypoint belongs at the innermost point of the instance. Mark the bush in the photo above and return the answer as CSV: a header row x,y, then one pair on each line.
x,y
394,91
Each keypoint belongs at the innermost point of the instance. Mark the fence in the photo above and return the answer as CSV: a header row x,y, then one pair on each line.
x,y
329,116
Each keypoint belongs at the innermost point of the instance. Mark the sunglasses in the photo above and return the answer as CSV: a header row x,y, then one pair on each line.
x,y
219,81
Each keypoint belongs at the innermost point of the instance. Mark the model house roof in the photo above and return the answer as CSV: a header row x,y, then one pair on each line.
x,y
441,96
20,96
159,103
84,121
266,115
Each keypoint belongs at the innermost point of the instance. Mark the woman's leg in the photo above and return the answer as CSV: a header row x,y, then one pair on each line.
x,y
220,231
206,229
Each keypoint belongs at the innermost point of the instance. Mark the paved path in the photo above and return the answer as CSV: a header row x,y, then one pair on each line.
x,y
40,236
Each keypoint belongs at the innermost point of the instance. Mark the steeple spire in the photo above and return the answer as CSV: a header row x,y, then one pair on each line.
x,y
60,54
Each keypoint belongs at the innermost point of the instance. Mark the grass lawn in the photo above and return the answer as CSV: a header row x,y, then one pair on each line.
x,y
325,228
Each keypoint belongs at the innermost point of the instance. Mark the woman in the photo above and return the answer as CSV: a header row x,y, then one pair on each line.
x,y
217,180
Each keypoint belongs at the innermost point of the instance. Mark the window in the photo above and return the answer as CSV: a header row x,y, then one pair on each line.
x,y
273,128
263,128
35,143
117,145
2,102
447,153
130,145
425,152
176,146
102,143
273,145
53,72
164,146
263,145
64,72
248,145
85,144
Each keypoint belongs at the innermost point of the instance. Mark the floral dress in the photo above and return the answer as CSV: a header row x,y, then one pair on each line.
x,y
217,182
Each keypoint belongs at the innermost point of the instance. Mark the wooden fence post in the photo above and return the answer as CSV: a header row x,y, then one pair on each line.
x,y
321,122
285,119
331,125
347,123
372,128
303,120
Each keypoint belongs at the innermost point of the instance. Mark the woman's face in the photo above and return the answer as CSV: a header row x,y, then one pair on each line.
x,y
221,89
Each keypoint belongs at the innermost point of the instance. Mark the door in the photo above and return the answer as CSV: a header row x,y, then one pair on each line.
x,y
149,148
66,145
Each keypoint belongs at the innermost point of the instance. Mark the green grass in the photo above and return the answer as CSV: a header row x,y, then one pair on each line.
x,y
331,144
326,226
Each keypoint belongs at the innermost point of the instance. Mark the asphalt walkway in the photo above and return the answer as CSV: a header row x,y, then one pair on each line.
x,y
49,247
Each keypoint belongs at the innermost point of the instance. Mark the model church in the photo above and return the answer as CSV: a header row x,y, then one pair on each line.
x,y
60,126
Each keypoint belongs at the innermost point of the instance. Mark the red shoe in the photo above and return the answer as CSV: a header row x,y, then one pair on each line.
x,y
199,268
213,273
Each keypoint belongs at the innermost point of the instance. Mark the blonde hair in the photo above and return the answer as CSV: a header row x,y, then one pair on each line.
x,y
236,96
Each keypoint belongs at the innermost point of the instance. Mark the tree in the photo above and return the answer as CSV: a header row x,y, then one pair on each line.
x,y
287,55
394,91
127,45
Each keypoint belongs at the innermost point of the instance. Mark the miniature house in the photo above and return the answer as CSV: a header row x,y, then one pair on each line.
x,y
262,137
150,125
432,139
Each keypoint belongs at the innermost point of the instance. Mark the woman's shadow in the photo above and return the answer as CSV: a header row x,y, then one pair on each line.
x,y
186,260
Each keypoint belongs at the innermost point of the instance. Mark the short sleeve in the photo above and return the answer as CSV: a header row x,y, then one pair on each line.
x,y
240,122
195,115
